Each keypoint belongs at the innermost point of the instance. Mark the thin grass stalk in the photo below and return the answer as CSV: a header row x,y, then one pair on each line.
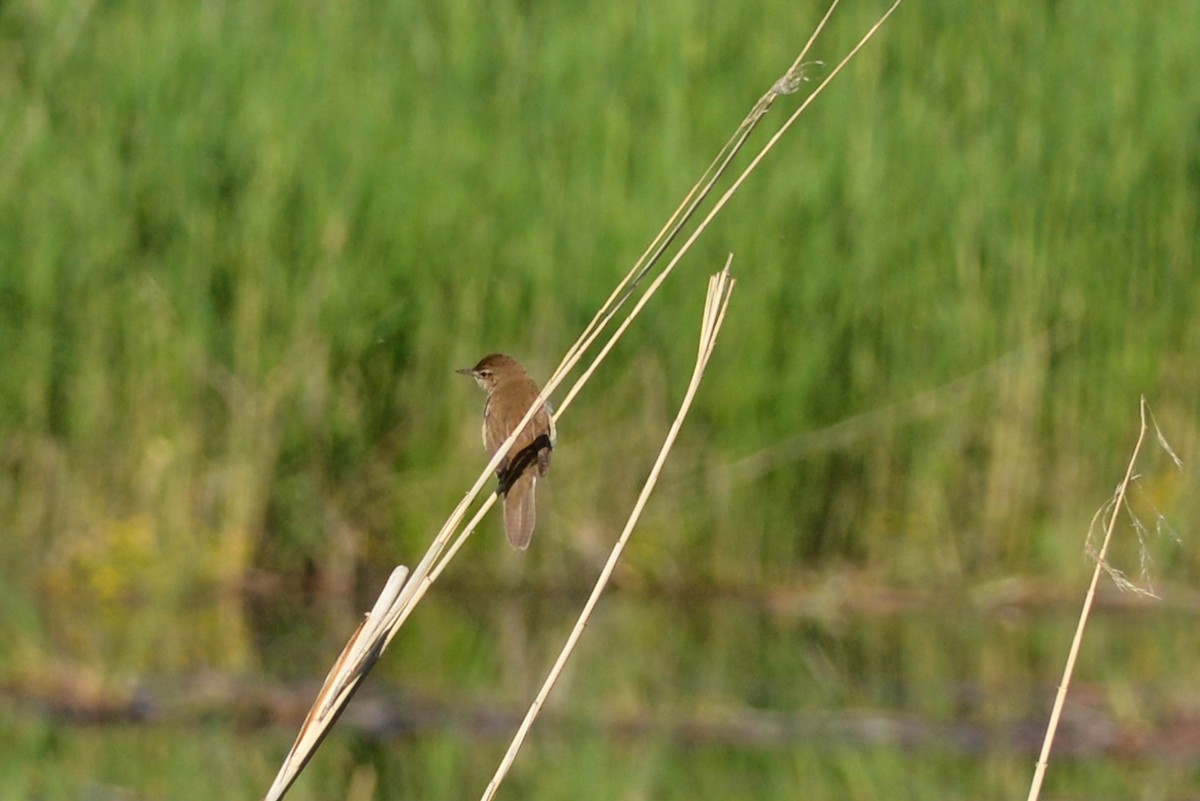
x,y
358,657
720,286
1060,697
789,82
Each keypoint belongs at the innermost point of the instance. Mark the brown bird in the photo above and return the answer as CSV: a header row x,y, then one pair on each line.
x,y
510,393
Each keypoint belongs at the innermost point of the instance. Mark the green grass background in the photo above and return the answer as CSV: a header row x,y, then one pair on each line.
x,y
243,247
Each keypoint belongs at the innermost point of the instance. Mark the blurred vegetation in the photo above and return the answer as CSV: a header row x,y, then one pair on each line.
x,y
243,246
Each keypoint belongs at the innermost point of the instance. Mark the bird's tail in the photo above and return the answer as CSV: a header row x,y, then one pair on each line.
x,y
520,514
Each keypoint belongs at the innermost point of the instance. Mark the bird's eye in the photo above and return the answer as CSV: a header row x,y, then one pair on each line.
x,y
485,373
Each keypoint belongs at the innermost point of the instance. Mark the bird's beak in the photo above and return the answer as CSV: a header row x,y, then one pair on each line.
x,y
466,371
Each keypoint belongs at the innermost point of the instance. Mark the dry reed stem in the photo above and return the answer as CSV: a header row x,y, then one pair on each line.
x,y
720,286
339,686
356,659
425,571
788,83
1060,697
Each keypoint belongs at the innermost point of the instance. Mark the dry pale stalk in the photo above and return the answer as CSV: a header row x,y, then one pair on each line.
x,y
719,288
397,602
1060,697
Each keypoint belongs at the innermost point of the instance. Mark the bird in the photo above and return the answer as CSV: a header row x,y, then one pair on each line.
x,y
510,393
